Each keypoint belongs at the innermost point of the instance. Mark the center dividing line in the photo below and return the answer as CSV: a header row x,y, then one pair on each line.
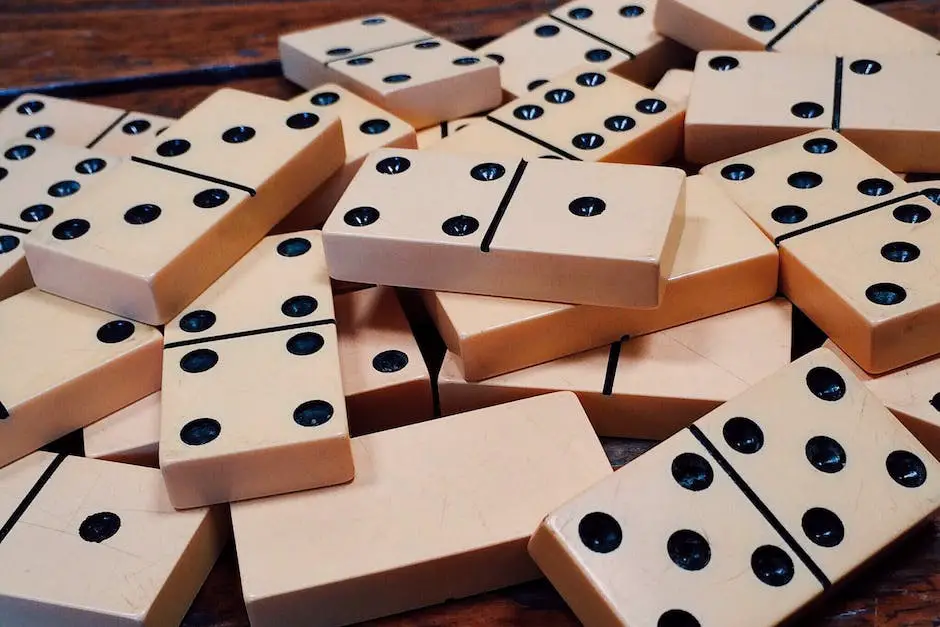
x,y
503,205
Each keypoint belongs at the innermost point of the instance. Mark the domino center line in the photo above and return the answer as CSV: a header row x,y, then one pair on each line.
x,y
837,97
761,507
593,36
789,27
15,229
204,177
503,206
445,129
382,49
613,360
107,130
532,138
237,334
31,495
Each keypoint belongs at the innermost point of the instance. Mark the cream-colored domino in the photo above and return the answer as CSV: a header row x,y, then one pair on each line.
x,y
647,387
385,379
111,363
610,35
130,435
593,233
438,510
807,456
427,137
56,120
825,26
421,78
166,226
804,182
133,133
89,543
584,115
366,127
252,401
723,262
676,85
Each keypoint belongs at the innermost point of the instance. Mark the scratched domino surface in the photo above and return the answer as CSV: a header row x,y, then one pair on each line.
x,y
376,336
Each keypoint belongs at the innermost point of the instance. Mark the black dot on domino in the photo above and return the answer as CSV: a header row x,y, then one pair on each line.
x,y
306,343
743,435
906,469
389,361
692,472
313,413
197,321
199,360
142,214
600,532
772,566
99,527
40,132
299,306
688,550
677,618
825,454
200,431
135,127
823,527
115,331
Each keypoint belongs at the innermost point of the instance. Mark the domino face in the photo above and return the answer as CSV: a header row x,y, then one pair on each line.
x,y
588,115
259,344
825,26
485,497
870,100
651,386
721,255
418,77
90,543
541,218
165,227
805,460
112,363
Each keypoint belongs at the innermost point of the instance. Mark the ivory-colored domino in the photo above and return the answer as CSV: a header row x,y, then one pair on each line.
x,y
830,26
133,134
252,400
651,386
803,182
366,127
596,233
438,510
169,224
90,543
676,85
56,120
584,115
610,36
429,136
807,458
421,78
105,363
723,262
385,379
910,393
130,435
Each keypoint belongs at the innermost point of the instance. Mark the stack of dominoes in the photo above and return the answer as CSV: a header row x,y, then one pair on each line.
x,y
214,301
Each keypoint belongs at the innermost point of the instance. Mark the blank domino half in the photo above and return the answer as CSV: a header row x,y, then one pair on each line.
x,y
824,26
582,115
104,363
170,222
597,233
80,124
256,353
745,100
651,386
366,127
607,35
421,78
802,463
88,543
723,262
438,510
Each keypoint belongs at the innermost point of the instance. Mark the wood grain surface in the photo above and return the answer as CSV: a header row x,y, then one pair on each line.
x,y
164,56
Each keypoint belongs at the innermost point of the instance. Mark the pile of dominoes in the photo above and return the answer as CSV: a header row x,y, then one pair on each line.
x,y
214,300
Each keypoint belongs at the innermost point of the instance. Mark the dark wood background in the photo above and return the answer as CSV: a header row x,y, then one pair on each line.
x,y
164,56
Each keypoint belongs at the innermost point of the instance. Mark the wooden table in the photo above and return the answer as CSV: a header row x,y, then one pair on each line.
x,y
164,56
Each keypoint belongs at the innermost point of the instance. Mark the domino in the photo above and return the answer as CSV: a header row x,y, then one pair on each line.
x,y
88,543
385,379
465,502
583,115
614,37
433,134
366,127
855,243
421,78
104,364
723,262
603,234
802,463
130,435
651,386
70,122
676,85
252,402
823,26
747,100
172,221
